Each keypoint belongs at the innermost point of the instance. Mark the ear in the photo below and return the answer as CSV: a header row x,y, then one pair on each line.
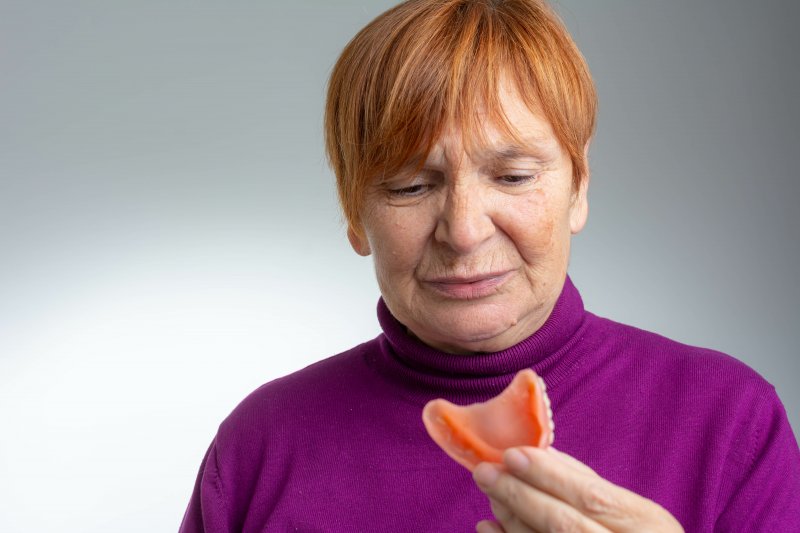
x,y
579,208
358,241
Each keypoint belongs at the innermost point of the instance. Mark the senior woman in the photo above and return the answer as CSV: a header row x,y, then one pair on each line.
x,y
458,131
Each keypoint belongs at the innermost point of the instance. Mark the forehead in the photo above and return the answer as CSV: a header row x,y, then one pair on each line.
x,y
514,128
502,127
509,125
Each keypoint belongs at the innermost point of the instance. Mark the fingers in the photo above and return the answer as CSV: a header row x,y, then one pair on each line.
x,y
508,521
524,508
566,481
488,526
500,511
587,492
571,461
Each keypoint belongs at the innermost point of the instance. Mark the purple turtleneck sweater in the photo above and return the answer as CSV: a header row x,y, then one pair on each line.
x,y
340,445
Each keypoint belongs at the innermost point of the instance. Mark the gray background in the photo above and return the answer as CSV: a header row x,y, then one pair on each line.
x,y
169,236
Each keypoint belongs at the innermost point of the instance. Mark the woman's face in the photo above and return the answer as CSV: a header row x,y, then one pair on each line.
x,y
471,251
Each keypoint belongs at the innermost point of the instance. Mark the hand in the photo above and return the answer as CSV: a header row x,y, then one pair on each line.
x,y
544,490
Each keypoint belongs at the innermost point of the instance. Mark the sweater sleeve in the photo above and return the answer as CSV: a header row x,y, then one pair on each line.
x,y
207,511
766,497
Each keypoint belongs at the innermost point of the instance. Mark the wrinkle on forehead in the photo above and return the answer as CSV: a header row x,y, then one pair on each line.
x,y
506,127
516,128
452,151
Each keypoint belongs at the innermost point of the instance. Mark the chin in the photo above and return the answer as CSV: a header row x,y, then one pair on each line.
x,y
472,331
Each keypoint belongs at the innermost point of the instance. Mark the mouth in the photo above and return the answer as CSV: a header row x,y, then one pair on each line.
x,y
469,288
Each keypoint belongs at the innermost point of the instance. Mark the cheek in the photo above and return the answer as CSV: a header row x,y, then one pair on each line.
x,y
396,242
531,219
538,226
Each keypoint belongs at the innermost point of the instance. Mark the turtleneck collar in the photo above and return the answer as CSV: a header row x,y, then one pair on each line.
x,y
477,377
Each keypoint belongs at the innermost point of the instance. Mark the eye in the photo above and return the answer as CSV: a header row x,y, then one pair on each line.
x,y
512,179
411,190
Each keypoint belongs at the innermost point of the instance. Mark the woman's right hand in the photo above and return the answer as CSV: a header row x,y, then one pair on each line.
x,y
544,490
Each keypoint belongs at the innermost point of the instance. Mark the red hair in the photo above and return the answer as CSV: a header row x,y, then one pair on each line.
x,y
425,64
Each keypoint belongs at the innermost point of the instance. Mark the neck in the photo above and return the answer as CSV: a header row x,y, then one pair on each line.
x,y
465,373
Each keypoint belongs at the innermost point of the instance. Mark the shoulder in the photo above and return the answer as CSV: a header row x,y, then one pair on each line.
x,y
248,455
716,403
283,399
277,421
655,356
706,389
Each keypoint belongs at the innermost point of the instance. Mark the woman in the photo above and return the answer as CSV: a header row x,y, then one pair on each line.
x,y
459,132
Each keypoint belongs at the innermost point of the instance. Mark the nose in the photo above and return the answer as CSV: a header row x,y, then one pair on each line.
x,y
465,221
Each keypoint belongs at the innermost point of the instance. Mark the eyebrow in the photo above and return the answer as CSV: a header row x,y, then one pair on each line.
x,y
534,149
509,152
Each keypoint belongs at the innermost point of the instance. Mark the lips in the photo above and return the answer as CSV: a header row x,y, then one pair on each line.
x,y
470,287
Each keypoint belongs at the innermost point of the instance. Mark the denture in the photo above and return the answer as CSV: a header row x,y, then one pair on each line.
x,y
470,434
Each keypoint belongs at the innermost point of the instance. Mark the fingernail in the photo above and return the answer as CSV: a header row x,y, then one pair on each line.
x,y
516,460
486,474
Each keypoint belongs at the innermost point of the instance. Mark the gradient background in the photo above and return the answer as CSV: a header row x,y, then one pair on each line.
x,y
169,237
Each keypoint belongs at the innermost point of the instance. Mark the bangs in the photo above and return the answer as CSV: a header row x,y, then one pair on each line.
x,y
426,65
450,78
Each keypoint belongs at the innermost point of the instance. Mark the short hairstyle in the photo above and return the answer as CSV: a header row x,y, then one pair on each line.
x,y
425,64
